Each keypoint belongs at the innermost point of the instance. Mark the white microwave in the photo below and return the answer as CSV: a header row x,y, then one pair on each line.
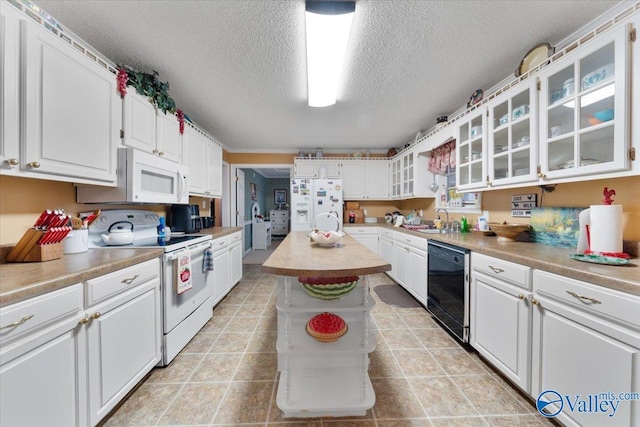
x,y
142,178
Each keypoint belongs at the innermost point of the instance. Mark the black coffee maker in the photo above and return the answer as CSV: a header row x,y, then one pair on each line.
x,y
185,218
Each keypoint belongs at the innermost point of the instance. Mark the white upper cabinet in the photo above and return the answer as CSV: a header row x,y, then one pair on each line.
x,y
139,122
471,170
10,88
149,129
402,174
213,171
315,168
194,158
584,114
353,180
203,157
376,179
512,154
168,138
71,110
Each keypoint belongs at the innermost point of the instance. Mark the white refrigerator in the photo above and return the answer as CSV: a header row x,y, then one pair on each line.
x,y
312,200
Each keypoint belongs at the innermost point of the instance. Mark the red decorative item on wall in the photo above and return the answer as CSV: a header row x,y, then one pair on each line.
x,y
180,116
123,78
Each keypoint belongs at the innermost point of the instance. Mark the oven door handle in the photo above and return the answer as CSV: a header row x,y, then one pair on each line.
x,y
201,247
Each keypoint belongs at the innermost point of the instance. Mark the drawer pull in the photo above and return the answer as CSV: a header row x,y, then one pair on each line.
x,y
129,281
17,322
496,269
582,297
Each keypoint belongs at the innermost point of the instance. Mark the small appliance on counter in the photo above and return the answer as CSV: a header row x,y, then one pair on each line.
x,y
207,221
185,219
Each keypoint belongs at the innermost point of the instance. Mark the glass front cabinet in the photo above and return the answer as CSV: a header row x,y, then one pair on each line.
x,y
512,155
470,153
584,109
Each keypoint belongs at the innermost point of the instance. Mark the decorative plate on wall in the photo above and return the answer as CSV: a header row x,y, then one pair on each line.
x,y
534,57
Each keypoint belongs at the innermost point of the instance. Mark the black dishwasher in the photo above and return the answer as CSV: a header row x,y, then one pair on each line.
x,y
448,287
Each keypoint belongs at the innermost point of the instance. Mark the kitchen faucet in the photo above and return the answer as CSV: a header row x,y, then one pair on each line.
x,y
447,213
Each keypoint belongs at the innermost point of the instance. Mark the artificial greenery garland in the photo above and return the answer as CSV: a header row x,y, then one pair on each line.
x,y
150,86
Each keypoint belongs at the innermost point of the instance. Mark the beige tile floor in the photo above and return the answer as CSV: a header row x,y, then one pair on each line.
x,y
227,374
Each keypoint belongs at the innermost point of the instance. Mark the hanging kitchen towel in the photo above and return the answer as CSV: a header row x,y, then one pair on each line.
x,y
207,260
183,281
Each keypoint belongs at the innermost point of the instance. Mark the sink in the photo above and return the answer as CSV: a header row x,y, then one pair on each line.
x,y
435,231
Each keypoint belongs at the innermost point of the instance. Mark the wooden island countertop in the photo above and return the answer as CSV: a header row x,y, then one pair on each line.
x,y
298,255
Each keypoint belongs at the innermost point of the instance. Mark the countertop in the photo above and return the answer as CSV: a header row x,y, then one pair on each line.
x,y
219,231
297,255
548,258
20,281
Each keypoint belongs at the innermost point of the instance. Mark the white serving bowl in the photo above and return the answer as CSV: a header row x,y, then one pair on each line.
x,y
326,238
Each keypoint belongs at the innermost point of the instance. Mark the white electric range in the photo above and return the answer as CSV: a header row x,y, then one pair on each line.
x,y
186,313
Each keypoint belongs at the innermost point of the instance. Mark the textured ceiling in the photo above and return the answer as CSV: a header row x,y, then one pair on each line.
x,y
238,68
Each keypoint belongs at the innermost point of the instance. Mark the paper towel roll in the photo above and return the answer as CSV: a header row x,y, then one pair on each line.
x,y
606,228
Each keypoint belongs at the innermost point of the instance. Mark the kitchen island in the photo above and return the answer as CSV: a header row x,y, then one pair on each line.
x,y
323,378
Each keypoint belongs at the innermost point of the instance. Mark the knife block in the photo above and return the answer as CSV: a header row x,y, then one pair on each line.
x,y
44,253
27,249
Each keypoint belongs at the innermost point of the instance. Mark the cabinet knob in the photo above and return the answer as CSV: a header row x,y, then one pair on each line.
x,y
84,321
96,315
522,297
13,162
155,151
161,153
535,301
34,165
541,175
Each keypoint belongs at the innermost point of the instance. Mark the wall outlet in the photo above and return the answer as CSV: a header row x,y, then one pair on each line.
x,y
486,215
204,204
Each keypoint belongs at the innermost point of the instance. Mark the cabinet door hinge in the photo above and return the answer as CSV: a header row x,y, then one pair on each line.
x,y
237,179
539,85
121,133
632,35
632,154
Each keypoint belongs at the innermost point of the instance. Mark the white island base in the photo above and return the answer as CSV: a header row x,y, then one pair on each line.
x,y
324,379
337,392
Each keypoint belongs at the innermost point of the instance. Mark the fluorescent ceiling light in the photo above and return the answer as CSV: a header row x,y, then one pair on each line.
x,y
328,26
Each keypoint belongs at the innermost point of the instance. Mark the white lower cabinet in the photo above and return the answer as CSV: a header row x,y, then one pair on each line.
x,y
74,359
123,337
385,249
409,264
418,274
43,361
501,316
227,264
236,259
586,341
401,264
367,236
221,257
